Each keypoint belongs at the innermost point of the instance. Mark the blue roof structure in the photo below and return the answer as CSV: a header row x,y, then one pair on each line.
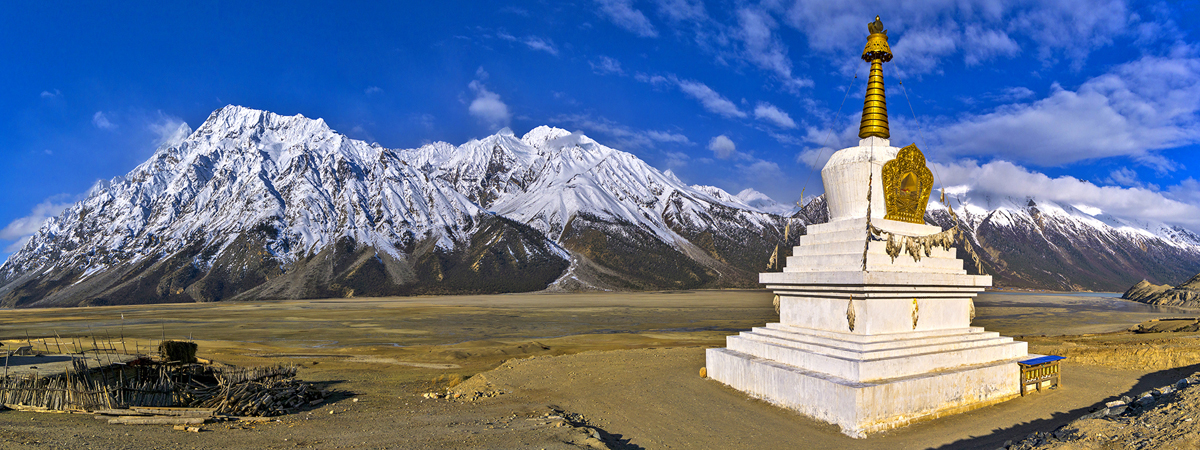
x,y
1040,360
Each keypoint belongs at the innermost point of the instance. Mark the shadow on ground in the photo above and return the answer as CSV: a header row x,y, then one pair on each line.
x,y
20,361
1020,431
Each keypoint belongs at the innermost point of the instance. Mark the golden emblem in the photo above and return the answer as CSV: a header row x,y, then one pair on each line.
x,y
907,183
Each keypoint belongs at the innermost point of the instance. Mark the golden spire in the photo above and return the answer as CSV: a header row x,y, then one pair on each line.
x,y
877,52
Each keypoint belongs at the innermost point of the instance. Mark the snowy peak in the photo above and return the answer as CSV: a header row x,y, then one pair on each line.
x,y
239,120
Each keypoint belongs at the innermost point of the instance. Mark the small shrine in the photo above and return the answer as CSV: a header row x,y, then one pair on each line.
x,y
875,307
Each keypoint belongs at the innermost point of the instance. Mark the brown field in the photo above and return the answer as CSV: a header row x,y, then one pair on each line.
x,y
623,363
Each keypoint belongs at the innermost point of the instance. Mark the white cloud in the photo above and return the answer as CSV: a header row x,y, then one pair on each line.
x,y
170,130
665,136
921,51
722,147
1135,109
815,158
682,10
623,137
710,99
623,14
768,112
605,65
841,134
487,106
540,44
982,45
765,174
764,50
101,121
425,120
978,30
373,90
1124,177
1003,178
49,95
654,80
22,229
1012,94
1089,209
1073,28
1187,191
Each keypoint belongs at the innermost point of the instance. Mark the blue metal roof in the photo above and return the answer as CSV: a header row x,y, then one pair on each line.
x,y
1040,360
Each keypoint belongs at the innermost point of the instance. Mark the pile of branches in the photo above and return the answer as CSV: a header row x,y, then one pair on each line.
x,y
258,391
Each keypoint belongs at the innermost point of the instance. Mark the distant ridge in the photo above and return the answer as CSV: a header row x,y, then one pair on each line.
x,y
1186,295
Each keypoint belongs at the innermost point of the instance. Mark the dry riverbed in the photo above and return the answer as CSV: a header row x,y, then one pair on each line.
x,y
563,371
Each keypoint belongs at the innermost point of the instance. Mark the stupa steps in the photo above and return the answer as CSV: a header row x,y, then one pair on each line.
x,y
860,223
876,262
803,343
902,340
856,246
854,338
873,370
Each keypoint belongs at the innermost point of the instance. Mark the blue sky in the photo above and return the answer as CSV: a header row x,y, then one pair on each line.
x,y
1087,103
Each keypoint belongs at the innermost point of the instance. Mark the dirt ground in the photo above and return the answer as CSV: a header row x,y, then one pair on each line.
x,y
575,371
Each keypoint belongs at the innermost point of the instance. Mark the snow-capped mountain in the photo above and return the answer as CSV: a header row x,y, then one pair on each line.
x,y
611,210
256,205
1032,243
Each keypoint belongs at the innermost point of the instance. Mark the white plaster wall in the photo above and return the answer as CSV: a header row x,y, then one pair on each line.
x,y
846,174
818,313
874,316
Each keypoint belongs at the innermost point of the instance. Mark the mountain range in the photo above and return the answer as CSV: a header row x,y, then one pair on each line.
x,y
255,205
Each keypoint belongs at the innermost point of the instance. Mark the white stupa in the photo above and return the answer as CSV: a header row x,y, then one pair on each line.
x,y
867,340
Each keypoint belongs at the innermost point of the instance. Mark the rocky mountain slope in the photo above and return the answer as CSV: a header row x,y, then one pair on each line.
x,y
1186,295
1037,244
257,205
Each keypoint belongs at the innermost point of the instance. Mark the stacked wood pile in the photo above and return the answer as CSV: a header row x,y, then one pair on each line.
x,y
141,393
260,391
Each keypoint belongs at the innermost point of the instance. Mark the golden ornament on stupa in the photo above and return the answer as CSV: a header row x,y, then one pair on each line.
x,y
877,52
907,183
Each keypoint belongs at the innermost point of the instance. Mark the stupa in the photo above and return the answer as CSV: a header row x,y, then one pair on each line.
x,y
875,306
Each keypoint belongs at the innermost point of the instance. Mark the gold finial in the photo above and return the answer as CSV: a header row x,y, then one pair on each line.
x,y
877,52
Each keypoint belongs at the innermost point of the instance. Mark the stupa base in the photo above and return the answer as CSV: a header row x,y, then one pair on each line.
x,y
862,408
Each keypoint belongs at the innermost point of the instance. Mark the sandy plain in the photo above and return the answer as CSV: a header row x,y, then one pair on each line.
x,y
624,365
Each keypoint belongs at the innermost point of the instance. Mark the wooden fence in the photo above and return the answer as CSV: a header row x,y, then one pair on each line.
x,y
89,389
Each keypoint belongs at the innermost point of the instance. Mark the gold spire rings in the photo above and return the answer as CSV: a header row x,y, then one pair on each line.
x,y
877,52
